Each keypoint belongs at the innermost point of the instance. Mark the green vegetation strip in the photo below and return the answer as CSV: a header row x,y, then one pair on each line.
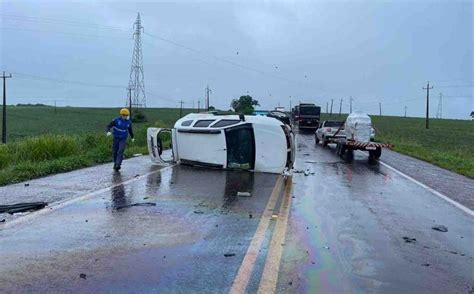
x,y
49,154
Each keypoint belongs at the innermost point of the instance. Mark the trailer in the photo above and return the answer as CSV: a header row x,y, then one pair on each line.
x,y
374,148
357,136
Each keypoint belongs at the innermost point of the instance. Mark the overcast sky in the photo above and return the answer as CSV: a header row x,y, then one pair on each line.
x,y
308,51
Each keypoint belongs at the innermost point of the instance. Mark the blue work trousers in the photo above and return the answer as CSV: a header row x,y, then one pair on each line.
x,y
118,147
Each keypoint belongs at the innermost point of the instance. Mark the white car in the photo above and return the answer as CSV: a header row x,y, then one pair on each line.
x,y
326,133
254,143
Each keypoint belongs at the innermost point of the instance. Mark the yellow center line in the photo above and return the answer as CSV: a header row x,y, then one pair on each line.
x,y
243,276
269,277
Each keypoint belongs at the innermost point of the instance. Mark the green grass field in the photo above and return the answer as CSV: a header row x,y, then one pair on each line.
x,y
447,143
33,121
42,141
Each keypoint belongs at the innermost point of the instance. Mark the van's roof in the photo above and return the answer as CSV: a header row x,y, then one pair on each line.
x,y
255,119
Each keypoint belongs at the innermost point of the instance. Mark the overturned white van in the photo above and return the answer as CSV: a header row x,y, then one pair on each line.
x,y
254,143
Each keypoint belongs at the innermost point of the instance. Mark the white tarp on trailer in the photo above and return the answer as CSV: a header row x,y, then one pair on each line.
x,y
358,127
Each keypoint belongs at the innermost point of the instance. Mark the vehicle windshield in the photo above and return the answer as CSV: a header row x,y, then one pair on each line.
x,y
310,110
333,123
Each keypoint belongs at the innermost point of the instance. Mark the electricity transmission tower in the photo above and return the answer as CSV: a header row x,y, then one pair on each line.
x,y
439,113
136,83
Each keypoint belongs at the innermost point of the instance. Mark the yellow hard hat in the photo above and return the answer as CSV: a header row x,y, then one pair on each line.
x,y
124,111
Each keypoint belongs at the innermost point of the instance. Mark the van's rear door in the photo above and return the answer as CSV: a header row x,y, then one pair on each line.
x,y
156,138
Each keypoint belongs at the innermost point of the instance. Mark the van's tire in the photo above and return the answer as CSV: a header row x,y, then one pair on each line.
x,y
375,154
325,142
317,140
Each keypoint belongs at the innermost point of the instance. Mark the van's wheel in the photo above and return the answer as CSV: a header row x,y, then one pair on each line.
x,y
343,150
375,154
317,140
325,142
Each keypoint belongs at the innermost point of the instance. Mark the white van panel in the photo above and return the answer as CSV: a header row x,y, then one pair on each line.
x,y
270,149
206,148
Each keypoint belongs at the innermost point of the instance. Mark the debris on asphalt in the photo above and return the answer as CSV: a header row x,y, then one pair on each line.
x,y
22,207
453,252
137,154
244,194
290,283
440,228
87,220
229,254
145,198
83,276
135,204
409,240
27,184
250,215
137,175
2,220
425,264
326,247
198,212
274,216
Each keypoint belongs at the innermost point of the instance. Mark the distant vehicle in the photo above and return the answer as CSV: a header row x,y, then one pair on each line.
x,y
238,142
307,116
329,131
280,108
358,131
260,112
281,116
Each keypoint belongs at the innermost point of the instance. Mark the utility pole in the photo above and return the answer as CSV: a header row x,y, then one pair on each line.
x,y
193,104
327,107
199,104
380,109
439,113
181,109
350,100
340,107
207,96
428,88
290,104
332,100
4,125
405,111
55,107
130,101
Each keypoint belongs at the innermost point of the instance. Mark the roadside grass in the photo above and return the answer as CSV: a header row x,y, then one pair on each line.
x,y
447,143
43,155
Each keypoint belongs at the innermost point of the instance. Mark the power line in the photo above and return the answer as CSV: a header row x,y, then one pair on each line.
x,y
48,79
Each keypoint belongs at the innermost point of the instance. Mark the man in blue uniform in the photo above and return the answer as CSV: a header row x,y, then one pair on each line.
x,y
121,127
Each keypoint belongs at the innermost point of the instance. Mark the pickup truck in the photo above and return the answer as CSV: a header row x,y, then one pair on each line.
x,y
326,132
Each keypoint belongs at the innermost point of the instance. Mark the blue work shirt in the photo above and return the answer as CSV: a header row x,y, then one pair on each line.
x,y
120,128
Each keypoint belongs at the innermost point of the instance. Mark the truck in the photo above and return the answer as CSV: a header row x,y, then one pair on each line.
x,y
307,116
357,133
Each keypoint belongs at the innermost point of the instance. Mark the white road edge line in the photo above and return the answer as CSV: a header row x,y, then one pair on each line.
x,y
62,203
444,197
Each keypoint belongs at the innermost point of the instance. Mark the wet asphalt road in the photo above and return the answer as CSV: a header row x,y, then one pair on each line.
x,y
344,232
